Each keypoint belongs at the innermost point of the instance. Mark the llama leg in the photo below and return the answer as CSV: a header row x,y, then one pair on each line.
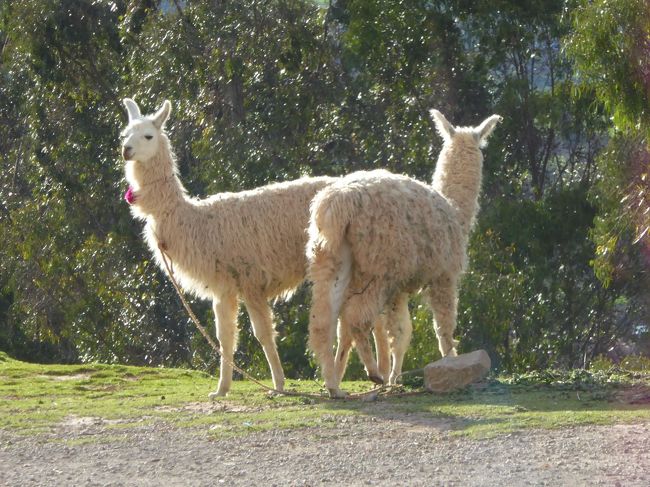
x,y
361,310
225,313
322,328
400,330
261,317
364,350
381,346
444,303
330,275
342,350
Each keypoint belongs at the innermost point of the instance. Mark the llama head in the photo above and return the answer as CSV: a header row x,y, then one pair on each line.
x,y
472,136
143,134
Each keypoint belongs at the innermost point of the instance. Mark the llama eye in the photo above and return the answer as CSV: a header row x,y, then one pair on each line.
x,y
148,137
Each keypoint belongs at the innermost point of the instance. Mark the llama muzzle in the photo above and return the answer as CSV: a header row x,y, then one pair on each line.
x,y
127,153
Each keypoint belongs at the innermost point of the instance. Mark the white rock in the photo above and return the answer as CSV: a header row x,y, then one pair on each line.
x,y
451,373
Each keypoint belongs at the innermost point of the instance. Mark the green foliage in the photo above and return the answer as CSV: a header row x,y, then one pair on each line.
x,y
536,269
247,107
632,363
576,379
622,249
610,46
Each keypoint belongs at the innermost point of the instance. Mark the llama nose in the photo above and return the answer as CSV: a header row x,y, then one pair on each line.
x,y
127,152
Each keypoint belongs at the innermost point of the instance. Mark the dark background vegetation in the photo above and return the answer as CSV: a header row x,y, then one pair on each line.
x,y
268,90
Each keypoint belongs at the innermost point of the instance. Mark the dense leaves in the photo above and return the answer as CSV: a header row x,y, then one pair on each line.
x,y
611,49
270,90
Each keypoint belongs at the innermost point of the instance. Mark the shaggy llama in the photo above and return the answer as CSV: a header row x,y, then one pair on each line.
x,y
375,237
248,245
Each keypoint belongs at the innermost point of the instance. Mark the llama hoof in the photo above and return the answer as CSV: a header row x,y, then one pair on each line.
x,y
213,396
377,379
337,394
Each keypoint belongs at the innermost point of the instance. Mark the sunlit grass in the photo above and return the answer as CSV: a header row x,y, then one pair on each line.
x,y
40,398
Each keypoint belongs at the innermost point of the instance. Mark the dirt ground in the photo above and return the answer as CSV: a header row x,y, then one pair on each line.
x,y
400,450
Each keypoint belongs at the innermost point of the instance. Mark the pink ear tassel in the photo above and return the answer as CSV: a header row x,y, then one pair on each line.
x,y
129,196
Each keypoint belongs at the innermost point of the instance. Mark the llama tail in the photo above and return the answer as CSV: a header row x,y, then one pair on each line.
x,y
331,212
328,251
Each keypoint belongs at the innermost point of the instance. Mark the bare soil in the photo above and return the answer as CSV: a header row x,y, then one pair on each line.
x,y
396,450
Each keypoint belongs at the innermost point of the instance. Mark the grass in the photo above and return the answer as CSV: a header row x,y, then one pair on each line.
x,y
39,398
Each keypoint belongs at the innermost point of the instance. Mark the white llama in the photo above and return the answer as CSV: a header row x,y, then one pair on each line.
x,y
375,237
248,245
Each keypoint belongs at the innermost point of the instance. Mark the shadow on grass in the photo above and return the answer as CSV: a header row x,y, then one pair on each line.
x,y
497,407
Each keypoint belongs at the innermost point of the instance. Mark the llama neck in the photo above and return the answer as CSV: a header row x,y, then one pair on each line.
x,y
458,178
156,182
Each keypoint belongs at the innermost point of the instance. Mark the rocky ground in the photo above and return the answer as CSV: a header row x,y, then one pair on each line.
x,y
399,450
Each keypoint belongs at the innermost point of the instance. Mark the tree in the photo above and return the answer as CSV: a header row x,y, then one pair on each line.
x,y
611,49
72,255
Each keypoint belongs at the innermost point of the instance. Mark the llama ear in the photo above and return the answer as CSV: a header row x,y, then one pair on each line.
x,y
445,129
484,130
161,116
132,108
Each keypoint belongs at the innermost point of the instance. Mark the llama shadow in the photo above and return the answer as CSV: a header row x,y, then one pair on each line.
x,y
494,405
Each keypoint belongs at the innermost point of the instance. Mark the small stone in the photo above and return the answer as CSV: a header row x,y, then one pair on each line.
x,y
451,373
